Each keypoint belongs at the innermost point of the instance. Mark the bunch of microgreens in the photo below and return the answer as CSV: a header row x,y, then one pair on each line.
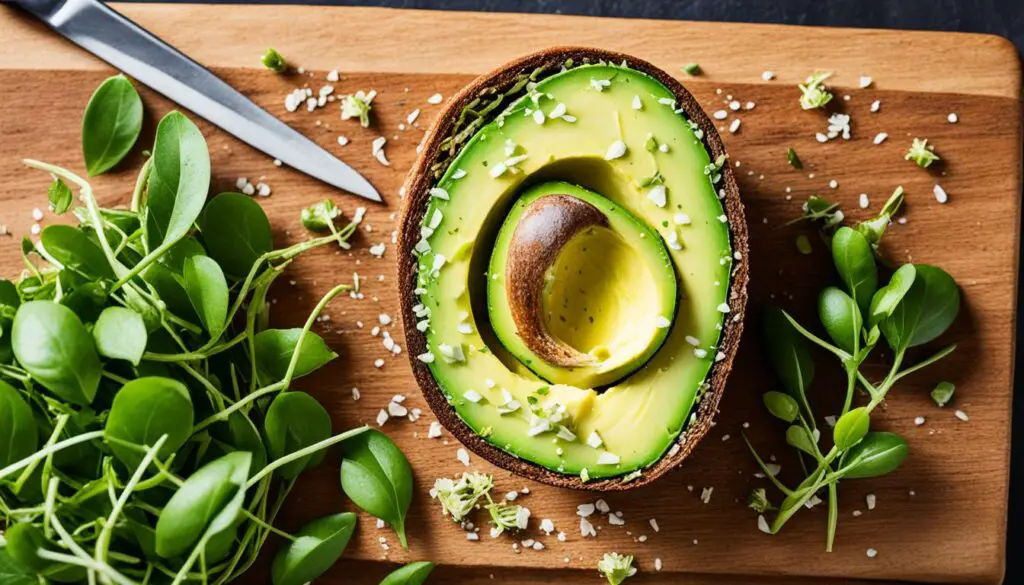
x,y
915,307
149,432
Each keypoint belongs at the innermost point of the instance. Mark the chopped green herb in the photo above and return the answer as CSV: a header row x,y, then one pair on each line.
x,y
758,501
943,393
921,153
616,568
691,69
794,160
814,94
651,144
655,179
358,105
320,216
274,61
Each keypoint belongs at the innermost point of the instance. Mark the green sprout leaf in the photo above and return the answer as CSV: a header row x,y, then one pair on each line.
x,y
377,478
60,196
274,349
921,153
56,349
855,263
943,393
691,69
120,333
295,420
411,574
926,311
19,436
317,546
74,250
207,290
797,436
236,232
877,454
790,354
887,298
841,317
851,428
144,410
178,181
782,406
111,125
13,572
197,503
23,543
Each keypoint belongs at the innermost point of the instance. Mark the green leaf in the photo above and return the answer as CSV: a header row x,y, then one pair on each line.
x,y
13,573
60,196
274,348
120,333
798,437
19,436
873,229
178,182
377,478
76,251
794,160
207,290
240,434
926,311
782,406
855,262
111,125
885,300
851,428
789,352
295,420
144,410
52,344
317,546
236,232
941,394
176,256
203,497
411,574
877,454
23,543
840,316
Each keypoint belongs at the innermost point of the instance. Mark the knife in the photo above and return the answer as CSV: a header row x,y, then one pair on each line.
x,y
127,46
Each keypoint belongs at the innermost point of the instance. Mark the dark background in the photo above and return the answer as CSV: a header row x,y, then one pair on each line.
x,y
1001,17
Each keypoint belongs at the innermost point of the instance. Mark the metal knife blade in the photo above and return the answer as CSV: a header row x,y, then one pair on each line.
x,y
125,45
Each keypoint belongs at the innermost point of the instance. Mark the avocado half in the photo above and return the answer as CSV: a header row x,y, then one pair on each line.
x,y
573,269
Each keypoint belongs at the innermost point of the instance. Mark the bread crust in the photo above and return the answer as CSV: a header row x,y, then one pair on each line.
x,y
414,206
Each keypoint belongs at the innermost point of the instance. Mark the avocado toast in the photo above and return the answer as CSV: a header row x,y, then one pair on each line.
x,y
573,269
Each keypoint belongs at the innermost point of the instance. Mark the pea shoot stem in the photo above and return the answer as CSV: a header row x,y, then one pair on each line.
x,y
46,451
301,453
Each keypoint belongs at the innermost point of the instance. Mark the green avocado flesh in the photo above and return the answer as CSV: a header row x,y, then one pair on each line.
x,y
616,142
610,292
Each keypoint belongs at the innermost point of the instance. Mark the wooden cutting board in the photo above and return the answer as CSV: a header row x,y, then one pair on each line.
x,y
940,518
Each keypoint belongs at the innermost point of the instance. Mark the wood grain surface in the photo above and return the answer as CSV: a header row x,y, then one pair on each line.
x,y
940,518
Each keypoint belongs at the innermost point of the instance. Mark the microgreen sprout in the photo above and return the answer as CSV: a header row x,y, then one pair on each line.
x,y
123,329
274,60
943,393
922,153
616,567
358,105
793,159
814,94
691,69
915,307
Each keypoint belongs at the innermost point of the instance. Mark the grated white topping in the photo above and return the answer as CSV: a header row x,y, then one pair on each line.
x,y
616,150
